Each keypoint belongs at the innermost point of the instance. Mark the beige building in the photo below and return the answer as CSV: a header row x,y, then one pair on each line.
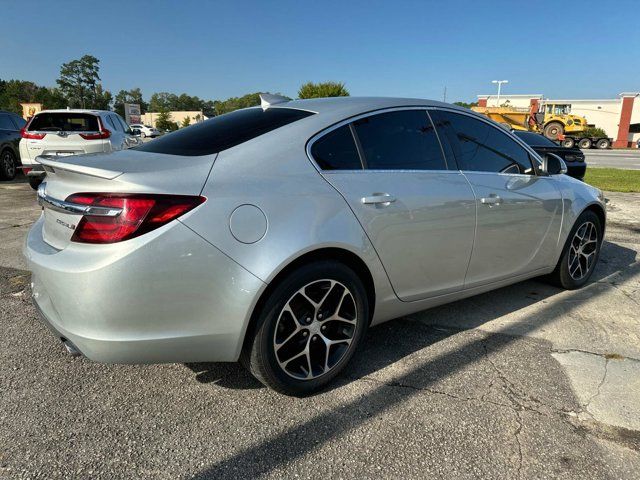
x,y
619,117
150,118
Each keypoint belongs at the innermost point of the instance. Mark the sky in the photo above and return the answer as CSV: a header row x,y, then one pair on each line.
x,y
215,50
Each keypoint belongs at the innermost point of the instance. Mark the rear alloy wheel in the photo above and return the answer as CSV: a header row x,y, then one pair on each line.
x,y
584,143
8,165
603,143
580,253
309,329
568,143
553,130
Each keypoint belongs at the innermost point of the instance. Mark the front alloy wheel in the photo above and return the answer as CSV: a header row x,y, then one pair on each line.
x,y
308,329
580,253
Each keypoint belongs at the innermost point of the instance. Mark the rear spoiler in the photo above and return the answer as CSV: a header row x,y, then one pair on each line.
x,y
54,162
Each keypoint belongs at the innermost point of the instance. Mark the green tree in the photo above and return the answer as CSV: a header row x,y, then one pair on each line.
x,y
593,132
186,121
79,83
15,92
466,105
129,96
178,103
236,103
323,89
164,121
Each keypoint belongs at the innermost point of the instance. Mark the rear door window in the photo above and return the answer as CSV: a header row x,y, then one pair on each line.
x,y
224,132
64,122
337,150
402,140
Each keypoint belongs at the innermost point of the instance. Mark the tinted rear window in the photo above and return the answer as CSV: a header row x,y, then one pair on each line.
x,y
223,132
64,121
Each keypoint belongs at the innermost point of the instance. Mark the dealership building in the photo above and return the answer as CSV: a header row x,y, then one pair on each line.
x,y
619,117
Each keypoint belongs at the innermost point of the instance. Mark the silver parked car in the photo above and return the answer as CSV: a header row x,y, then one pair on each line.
x,y
277,235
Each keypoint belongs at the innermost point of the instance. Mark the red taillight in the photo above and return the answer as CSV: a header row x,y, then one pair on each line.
x,y
26,170
140,214
103,133
31,135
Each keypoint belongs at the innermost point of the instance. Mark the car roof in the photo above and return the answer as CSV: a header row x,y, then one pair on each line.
x,y
74,110
356,105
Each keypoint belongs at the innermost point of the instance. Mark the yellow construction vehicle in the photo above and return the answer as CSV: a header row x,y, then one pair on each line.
x,y
552,120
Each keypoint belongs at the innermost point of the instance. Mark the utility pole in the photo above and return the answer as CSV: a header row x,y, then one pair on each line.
x,y
499,82
444,94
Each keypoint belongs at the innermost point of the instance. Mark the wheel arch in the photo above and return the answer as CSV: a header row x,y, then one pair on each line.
x,y
341,255
599,211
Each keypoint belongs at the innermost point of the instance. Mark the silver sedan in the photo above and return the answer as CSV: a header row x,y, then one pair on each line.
x,y
277,235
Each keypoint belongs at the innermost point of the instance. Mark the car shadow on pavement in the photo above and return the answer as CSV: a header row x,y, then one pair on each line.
x,y
394,382
388,343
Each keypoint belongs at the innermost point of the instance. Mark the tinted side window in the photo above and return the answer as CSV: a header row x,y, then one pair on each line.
x,y
223,132
110,123
116,123
337,151
5,122
481,147
403,140
19,121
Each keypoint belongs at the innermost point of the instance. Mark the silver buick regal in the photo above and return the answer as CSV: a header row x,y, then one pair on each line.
x,y
277,235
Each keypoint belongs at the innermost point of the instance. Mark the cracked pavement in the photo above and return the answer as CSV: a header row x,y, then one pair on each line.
x,y
524,382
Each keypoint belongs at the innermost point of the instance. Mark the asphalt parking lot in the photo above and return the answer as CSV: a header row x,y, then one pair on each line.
x,y
524,382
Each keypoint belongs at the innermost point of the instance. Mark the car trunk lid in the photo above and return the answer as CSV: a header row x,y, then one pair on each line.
x,y
123,172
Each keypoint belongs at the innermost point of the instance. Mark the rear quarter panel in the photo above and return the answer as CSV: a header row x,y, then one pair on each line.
x,y
303,211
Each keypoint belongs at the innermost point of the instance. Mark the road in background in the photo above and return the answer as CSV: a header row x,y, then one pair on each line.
x,y
626,159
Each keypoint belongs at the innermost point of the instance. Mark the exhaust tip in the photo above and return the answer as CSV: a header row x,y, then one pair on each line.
x,y
71,348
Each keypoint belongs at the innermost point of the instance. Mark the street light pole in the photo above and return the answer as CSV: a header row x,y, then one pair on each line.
x,y
499,82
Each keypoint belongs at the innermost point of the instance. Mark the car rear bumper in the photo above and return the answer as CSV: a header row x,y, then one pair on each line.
x,y
167,296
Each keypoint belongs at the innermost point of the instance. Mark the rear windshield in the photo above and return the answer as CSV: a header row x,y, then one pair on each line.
x,y
64,122
223,132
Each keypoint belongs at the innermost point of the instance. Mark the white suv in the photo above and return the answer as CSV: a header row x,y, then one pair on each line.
x,y
145,130
71,132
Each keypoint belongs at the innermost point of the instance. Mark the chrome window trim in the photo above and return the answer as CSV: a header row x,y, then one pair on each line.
x,y
528,149
63,206
355,118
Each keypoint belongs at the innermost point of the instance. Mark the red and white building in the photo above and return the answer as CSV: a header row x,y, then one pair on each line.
x,y
619,117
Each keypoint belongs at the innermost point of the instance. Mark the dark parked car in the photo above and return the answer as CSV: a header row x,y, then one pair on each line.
x,y
573,157
10,125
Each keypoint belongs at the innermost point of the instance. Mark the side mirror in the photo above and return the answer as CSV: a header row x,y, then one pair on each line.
x,y
552,164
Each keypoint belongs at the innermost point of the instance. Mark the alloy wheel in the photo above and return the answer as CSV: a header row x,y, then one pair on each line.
x,y
315,329
582,251
9,165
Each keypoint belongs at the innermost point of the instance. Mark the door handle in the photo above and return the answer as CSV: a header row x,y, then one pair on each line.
x,y
492,199
378,199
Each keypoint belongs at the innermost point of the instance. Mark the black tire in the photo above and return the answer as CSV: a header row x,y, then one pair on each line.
x,y
584,143
8,165
259,353
561,276
35,182
553,130
568,143
603,143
